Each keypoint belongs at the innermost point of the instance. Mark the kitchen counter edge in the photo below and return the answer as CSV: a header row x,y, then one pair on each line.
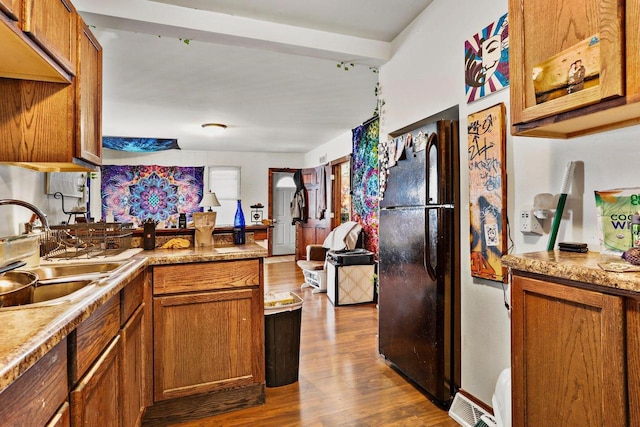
x,y
578,267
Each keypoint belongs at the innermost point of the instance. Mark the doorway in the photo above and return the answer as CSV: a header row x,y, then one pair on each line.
x,y
283,236
341,190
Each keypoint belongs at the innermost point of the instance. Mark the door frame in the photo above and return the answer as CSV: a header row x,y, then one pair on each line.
x,y
270,203
335,185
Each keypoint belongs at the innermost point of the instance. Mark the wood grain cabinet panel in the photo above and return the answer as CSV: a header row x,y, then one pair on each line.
x,y
178,278
96,399
54,125
203,342
92,336
52,24
633,360
568,355
89,97
132,370
545,38
34,398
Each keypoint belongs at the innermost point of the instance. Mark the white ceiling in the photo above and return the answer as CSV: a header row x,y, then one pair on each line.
x,y
266,68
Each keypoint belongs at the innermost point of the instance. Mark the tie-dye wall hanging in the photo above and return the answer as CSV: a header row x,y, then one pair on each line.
x,y
139,145
364,182
158,193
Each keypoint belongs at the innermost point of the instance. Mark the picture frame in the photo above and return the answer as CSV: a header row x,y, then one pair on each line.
x,y
487,192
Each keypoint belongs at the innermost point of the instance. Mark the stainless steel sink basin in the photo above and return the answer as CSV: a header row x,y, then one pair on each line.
x,y
67,272
66,282
52,291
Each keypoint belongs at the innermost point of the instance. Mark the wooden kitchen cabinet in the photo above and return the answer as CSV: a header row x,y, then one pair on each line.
x,y
545,38
95,400
34,398
568,355
55,127
208,338
133,356
633,360
38,57
53,25
89,97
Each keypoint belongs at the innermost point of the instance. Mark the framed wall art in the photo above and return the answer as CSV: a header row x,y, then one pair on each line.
x,y
487,192
486,60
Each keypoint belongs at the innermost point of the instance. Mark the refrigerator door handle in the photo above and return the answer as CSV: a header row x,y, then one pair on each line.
x,y
430,244
433,174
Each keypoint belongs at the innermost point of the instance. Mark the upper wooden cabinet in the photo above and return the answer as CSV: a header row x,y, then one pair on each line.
x,y
89,96
53,25
37,40
572,66
55,127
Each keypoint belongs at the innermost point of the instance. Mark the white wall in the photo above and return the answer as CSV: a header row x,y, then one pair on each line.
x,y
24,184
334,149
425,76
254,169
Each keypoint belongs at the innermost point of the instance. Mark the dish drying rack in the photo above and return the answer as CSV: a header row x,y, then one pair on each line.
x,y
89,240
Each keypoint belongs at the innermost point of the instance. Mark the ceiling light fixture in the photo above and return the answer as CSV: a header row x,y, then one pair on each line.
x,y
215,125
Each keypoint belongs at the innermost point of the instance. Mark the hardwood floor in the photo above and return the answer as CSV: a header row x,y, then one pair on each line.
x,y
342,379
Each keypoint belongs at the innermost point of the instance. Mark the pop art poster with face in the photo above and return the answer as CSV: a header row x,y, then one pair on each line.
x,y
486,59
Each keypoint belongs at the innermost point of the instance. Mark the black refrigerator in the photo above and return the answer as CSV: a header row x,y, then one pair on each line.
x,y
419,260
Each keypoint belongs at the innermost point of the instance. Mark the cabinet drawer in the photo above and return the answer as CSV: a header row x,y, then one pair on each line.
x,y
196,277
131,297
34,398
92,336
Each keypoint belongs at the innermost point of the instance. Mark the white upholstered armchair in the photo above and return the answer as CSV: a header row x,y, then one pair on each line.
x,y
347,235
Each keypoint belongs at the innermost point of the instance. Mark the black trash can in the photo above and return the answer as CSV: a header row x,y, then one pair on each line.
x,y
282,318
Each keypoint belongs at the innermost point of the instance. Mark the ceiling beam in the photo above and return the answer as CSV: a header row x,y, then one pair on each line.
x,y
180,22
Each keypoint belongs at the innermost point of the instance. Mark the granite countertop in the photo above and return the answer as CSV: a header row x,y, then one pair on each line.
x,y
29,332
579,267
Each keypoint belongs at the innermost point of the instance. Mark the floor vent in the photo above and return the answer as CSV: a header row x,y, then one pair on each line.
x,y
468,414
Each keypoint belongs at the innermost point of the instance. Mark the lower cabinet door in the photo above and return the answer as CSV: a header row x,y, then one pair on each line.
x,y
567,349
96,399
132,379
203,342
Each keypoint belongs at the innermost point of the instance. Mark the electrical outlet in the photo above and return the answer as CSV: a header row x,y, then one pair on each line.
x,y
529,224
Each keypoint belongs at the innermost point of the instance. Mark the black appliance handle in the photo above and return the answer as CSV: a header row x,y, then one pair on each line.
x,y
432,141
428,267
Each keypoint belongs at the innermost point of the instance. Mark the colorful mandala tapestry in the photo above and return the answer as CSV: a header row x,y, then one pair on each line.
x,y
365,182
158,193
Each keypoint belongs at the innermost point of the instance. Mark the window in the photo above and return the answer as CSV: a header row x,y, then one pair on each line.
x,y
225,182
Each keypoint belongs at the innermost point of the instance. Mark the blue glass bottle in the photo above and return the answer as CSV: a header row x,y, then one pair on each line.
x,y
239,226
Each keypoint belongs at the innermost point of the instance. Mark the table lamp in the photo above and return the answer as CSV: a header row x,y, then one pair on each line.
x,y
204,222
209,199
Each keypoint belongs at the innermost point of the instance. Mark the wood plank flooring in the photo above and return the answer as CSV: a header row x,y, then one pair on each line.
x,y
342,380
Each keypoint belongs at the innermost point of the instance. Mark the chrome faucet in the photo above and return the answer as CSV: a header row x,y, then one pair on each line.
x,y
41,215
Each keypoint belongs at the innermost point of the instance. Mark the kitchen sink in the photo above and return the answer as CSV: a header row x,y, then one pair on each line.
x,y
52,291
64,273
66,282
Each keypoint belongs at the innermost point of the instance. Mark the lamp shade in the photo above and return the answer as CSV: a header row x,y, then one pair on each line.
x,y
208,200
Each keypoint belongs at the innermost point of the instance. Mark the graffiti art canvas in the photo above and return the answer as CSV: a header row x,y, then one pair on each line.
x,y
487,192
486,59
